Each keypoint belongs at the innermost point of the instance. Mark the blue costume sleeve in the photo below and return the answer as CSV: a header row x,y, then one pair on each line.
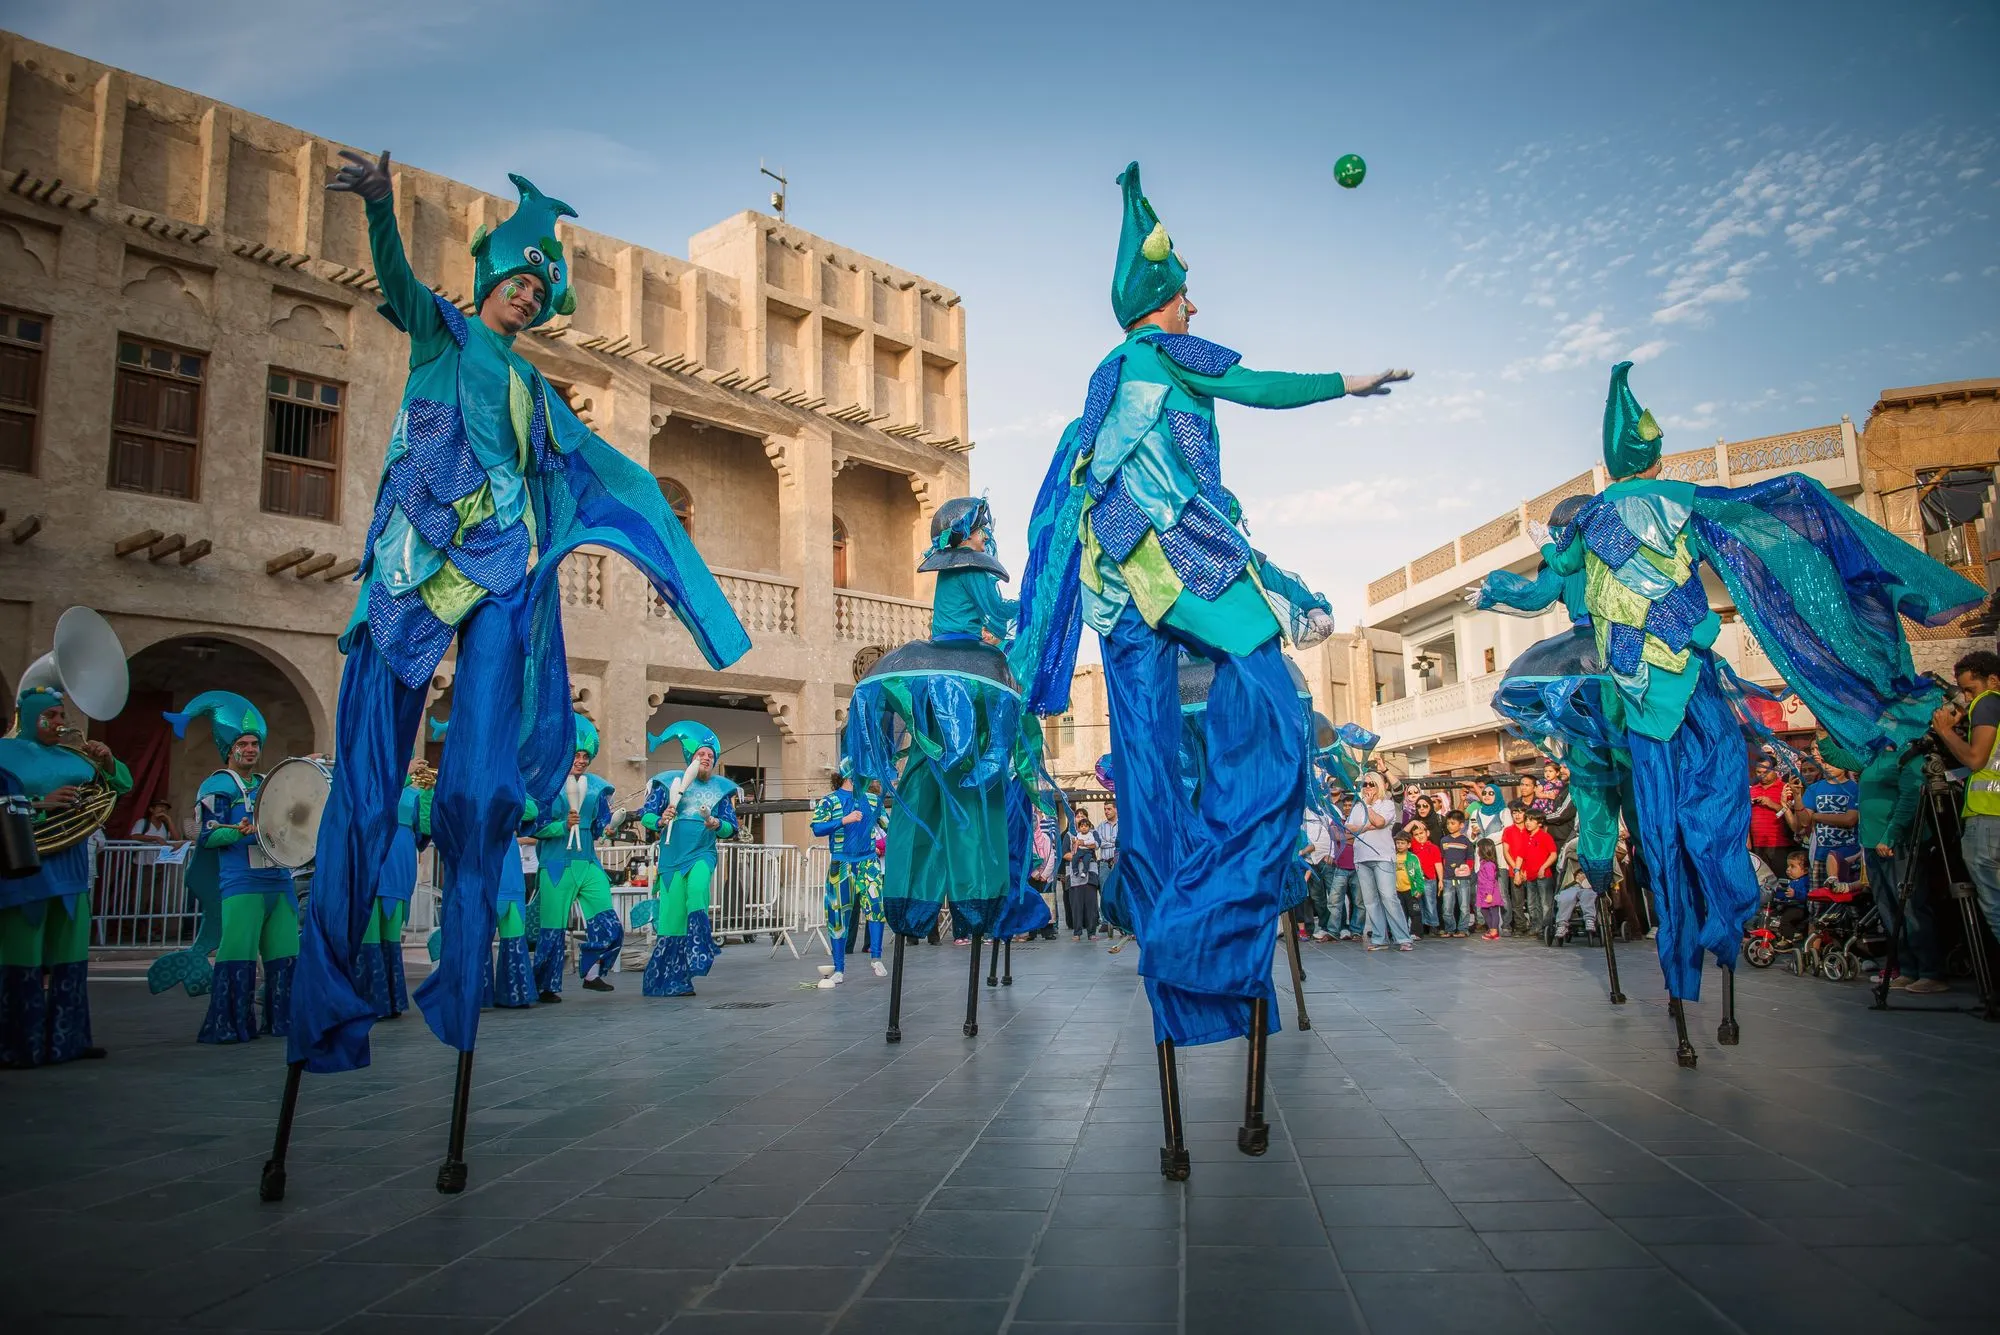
x,y
1508,592
1822,588
725,815
826,816
602,819
592,494
406,809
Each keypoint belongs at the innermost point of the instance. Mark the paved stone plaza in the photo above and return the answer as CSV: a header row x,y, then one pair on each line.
x,y
1469,1139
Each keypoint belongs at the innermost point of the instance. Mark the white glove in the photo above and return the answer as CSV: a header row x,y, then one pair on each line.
x,y
1319,625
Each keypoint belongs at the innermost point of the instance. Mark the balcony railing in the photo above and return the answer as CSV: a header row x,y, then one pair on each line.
x,y
1464,706
763,602
877,618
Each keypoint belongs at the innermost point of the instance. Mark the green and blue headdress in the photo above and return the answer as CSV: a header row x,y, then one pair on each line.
x,y
691,735
1631,436
31,704
587,740
229,716
1149,274
525,243
955,521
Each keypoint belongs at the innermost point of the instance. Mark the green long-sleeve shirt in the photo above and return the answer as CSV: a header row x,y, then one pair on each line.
x,y
1889,788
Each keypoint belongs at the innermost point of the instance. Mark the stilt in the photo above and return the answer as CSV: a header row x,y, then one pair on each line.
x,y
993,965
895,1034
971,1029
1684,1053
1254,1136
1173,1155
1298,969
271,1185
1007,969
1610,960
1729,1033
451,1173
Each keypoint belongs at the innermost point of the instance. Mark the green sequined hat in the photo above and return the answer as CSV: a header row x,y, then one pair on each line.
x,y
229,716
1149,273
526,243
586,736
1631,436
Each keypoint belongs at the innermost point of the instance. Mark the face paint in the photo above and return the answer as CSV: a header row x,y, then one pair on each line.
x,y
512,290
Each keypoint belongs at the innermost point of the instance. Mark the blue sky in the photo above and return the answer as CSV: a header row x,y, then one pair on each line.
x,y
1778,209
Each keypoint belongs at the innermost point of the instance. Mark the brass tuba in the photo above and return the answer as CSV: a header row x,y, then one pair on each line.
x,y
88,666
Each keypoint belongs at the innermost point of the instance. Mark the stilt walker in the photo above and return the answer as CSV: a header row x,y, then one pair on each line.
x,y
1135,533
697,807
70,785
485,463
846,820
572,877
1822,589
260,906
938,724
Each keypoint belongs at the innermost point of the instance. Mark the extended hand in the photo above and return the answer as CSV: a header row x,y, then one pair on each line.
x,y
853,816
1474,595
1370,385
370,180
1319,625
99,753
711,822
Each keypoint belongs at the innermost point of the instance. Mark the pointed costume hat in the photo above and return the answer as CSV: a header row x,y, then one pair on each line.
x,y
1631,436
691,735
587,740
229,717
526,243
1149,273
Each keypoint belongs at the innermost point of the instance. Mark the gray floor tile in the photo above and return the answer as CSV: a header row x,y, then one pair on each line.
x,y
1567,1249
785,1289
1090,1293
1404,1250
1426,1305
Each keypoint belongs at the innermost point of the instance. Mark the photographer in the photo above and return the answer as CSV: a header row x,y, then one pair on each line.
x,y
1979,677
1890,789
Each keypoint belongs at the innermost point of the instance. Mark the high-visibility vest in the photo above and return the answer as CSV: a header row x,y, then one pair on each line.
x,y
1982,790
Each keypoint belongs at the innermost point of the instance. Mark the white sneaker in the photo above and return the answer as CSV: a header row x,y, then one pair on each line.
x,y
1322,936
825,984
881,969
839,977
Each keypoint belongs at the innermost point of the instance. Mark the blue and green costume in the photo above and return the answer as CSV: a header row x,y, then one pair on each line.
x,y
1135,533
571,876
397,885
853,872
1820,586
485,465
683,942
939,725
45,916
259,906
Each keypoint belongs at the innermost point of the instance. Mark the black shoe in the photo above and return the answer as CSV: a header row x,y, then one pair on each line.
x,y
597,985
93,1053
550,998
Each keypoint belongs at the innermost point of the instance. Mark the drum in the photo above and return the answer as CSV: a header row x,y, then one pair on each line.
x,y
289,807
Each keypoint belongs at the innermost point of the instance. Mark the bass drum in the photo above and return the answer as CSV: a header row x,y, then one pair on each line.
x,y
289,807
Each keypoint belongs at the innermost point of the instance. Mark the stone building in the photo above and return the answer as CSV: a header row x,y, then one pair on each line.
x,y
195,392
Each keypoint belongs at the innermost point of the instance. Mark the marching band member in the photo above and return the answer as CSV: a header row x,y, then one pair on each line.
x,y
398,883
45,916
260,908
846,820
567,835
698,807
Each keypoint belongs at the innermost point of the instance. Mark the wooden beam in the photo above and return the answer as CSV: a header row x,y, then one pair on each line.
x,y
125,546
194,551
166,546
26,529
343,570
286,560
313,566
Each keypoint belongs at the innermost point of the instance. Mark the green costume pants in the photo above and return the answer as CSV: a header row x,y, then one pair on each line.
x,y
41,935
260,925
44,1023
686,893
253,925
582,883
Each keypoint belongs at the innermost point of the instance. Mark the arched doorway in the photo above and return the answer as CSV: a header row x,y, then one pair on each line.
x,y
168,674
840,553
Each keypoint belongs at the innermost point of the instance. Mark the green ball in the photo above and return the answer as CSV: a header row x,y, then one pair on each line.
x,y
1349,170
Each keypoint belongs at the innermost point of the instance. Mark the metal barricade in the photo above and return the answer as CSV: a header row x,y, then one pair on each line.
x,y
141,902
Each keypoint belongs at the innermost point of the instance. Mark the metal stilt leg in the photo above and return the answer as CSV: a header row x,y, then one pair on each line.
x,y
1610,958
1683,1053
1298,968
971,1029
1174,1164
1254,1136
271,1184
451,1173
895,1034
993,966
1007,969
1729,1033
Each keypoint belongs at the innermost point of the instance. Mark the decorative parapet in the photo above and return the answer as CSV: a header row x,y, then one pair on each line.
x,y
1773,454
762,602
1583,484
1489,535
1690,466
1432,564
1391,584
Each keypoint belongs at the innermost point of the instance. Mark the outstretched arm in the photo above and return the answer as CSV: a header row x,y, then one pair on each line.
x,y
1287,389
414,306
1505,591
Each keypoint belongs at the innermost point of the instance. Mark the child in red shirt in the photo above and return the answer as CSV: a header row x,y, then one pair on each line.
x,y
1513,842
1538,865
1431,859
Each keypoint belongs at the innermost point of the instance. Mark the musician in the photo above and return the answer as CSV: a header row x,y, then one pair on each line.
x,y
571,874
45,916
398,882
260,907
698,807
